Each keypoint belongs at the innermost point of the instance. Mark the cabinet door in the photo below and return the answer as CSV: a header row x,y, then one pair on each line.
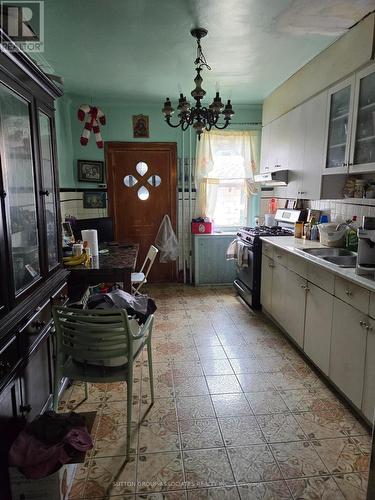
x,y
19,183
340,103
265,149
48,191
362,154
314,112
266,284
278,297
318,326
279,145
368,402
348,349
294,306
296,152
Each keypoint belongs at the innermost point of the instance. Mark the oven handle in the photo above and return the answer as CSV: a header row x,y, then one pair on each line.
x,y
237,285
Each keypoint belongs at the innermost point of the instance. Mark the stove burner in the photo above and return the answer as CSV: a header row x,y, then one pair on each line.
x,y
264,231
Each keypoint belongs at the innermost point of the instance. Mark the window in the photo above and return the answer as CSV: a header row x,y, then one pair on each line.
x,y
225,177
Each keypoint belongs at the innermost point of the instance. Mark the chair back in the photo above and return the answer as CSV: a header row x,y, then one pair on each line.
x,y
149,260
91,334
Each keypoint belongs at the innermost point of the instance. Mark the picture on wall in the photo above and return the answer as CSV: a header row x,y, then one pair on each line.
x,y
90,171
140,126
95,199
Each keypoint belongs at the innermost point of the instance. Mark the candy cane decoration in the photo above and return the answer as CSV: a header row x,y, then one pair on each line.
x,y
95,116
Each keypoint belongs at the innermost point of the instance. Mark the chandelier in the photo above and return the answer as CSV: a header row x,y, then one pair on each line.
x,y
199,116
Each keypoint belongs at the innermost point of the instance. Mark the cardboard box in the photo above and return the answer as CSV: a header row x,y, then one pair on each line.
x,y
56,486
201,227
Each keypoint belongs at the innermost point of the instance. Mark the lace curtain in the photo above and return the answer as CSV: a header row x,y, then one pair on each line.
x,y
224,156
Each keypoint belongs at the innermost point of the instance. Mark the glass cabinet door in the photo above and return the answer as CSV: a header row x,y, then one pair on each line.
x,y
337,145
48,189
19,185
364,146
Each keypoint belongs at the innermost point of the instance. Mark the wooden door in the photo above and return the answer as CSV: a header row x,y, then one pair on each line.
x,y
141,190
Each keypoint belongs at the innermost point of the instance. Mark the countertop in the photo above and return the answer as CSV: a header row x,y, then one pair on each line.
x,y
121,257
296,245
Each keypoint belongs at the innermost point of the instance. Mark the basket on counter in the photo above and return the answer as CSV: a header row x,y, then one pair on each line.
x,y
330,237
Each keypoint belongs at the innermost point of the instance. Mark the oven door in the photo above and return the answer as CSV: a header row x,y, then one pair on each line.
x,y
247,282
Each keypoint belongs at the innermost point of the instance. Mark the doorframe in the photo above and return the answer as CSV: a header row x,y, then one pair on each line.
x,y
111,147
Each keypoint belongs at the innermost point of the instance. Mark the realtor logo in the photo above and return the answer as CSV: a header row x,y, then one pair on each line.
x,y
23,22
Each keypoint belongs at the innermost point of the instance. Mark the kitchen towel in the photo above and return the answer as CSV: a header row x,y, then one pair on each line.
x,y
91,236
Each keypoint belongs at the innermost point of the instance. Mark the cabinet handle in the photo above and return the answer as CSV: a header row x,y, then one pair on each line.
x,y
44,192
39,324
362,323
368,327
348,292
63,297
343,164
25,408
271,265
3,194
279,256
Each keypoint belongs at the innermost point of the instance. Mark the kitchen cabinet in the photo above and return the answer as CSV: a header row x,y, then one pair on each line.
x,y
368,401
210,266
318,326
296,152
265,149
362,152
278,302
294,306
348,350
278,157
266,285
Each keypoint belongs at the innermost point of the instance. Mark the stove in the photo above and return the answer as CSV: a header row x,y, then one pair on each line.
x,y
248,280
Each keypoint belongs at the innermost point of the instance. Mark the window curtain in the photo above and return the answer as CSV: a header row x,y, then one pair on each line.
x,y
224,155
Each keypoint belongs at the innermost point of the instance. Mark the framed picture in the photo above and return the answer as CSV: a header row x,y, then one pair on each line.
x,y
90,171
95,199
140,126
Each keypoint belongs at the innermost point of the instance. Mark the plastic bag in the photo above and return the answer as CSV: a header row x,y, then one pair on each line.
x,y
166,241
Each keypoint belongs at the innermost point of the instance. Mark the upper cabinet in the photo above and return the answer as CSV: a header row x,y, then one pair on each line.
x,y
350,130
362,153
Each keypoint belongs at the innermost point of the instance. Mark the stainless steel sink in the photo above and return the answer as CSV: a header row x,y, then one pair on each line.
x,y
343,260
329,252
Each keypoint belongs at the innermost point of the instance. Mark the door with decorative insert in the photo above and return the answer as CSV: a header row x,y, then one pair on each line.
x,y
141,190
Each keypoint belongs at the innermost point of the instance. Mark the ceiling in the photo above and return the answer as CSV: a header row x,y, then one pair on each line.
x,y
142,49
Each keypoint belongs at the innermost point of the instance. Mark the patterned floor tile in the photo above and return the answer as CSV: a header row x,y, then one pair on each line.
x,y
285,381
223,493
246,365
266,402
193,386
352,486
159,436
298,459
314,488
206,340
207,468
253,464
172,495
275,490
321,424
110,477
216,367
161,409
160,472
231,405
223,384
195,407
341,455
255,382
187,369
238,351
240,431
201,433
211,352
299,400
280,427
110,439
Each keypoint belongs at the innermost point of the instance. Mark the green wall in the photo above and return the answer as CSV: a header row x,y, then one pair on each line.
x,y
119,128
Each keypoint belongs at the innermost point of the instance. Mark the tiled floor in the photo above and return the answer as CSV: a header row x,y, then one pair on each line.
x,y
239,414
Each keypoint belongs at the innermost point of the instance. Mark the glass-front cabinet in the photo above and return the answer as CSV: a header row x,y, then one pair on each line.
x,y
350,132
362,155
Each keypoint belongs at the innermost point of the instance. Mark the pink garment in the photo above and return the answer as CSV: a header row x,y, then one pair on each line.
x,y
36,459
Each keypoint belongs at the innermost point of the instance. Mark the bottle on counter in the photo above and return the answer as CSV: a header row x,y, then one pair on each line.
x,y
351,238
298,229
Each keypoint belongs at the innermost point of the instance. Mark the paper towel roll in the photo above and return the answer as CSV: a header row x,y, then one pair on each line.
x,y
91,236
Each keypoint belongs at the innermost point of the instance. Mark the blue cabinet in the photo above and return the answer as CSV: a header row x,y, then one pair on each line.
x,y
210,264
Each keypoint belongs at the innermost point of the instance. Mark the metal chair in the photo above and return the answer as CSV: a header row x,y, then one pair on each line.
x,y
138,279
100,346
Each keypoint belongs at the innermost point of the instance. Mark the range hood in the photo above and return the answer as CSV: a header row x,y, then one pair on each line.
x,y
277,178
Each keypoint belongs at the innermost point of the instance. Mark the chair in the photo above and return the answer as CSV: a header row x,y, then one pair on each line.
x,y
100,346
138,279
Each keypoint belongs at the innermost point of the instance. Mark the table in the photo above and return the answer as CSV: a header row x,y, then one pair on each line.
x,y
114,266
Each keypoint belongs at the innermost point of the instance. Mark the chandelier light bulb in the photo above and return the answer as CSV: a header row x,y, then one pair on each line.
x,y
199,117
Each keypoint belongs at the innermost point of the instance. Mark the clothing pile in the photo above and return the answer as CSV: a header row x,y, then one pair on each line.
x,y
139,306
48,442
237,250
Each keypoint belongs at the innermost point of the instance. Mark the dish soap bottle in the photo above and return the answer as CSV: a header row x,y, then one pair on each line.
x,y
351,236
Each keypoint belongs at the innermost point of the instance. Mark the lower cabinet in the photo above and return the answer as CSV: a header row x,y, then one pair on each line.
x,y
266,285
348,350
294,312
318,326
368,401
279,283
